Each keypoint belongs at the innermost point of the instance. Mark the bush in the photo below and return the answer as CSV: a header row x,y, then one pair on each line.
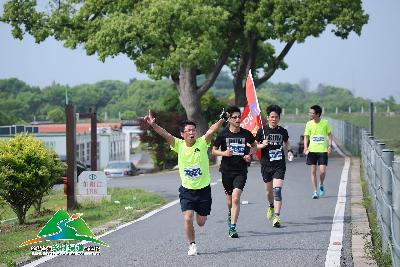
x,y
28,171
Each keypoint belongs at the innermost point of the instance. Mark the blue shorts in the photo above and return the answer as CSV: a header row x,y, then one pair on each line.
x,y
198,200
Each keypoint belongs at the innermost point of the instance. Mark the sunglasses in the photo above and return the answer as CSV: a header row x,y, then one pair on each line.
x,y
236,117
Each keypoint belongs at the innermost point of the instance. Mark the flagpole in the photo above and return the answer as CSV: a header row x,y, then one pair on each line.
x,y
258,106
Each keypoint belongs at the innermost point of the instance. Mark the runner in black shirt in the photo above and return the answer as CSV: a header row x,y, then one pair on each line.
x,y
232,145
273,166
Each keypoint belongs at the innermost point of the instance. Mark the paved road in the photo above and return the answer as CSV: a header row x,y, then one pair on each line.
x,y
159,240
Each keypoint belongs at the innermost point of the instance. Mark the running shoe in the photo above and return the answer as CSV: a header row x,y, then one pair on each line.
x,y
228,221
233,233
270,213
321,191
192,250
315,195
277,221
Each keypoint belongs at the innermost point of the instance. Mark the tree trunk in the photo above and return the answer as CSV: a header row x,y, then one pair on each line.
x,y
240,94
21,214
190,98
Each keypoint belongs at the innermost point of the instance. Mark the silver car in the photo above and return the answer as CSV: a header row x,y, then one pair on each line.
x,y
120,169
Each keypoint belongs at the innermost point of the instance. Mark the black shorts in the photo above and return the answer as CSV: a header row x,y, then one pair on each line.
x,y
198,200
272,172
231,181
317,158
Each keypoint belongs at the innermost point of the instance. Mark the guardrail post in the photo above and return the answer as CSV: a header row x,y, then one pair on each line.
x,y
378,178
371,170
386,202
396,212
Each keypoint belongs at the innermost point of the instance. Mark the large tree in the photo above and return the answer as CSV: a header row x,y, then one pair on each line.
x,y
182,39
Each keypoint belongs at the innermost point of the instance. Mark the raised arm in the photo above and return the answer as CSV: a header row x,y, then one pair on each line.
x,y
209,134
161,131
213,128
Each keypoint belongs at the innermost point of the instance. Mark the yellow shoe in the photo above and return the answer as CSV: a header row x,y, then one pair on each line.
x,y
277,221
270,213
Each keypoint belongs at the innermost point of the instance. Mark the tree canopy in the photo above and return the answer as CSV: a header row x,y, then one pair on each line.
x,y
182,39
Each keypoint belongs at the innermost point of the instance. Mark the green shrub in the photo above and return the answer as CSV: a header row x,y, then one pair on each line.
x,y
28,170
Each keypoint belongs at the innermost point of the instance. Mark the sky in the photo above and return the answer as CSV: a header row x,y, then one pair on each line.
x,y
368,65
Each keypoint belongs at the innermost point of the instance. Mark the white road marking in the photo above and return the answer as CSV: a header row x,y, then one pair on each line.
x,y
334,252
144,217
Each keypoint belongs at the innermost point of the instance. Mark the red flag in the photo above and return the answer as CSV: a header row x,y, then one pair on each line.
x,y
251,115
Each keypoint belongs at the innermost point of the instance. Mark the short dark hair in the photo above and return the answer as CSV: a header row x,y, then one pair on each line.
x,y
184,123
274,108
317,109
233,109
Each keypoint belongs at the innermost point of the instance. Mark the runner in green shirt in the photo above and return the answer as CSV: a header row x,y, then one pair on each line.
x,y
319,133
193,163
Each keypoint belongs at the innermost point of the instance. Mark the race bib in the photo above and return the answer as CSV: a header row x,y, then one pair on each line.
x,y
238,149
275,154
192,173
318,139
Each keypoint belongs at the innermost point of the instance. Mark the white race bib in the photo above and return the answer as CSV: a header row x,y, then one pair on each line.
x,y
238,149
318,139
275,154
192,173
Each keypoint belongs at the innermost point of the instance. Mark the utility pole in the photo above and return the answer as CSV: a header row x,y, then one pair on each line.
x,y
71,155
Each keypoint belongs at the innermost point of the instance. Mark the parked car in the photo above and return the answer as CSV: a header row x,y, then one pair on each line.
x,y
120,169
80,167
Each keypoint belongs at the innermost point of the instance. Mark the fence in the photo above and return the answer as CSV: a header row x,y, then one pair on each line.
x,y
347,135
382,174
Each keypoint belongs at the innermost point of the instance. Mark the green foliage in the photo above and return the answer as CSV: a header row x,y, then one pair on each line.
x,y
373,246
170,38
56,115
139,97
128,115
28,170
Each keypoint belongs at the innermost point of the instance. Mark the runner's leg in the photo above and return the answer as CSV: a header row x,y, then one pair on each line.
x,y
277,203
322,173
314,177
188,225
235,204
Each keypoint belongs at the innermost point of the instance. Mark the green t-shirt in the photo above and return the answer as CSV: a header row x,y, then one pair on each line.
x,y
318,135
193,163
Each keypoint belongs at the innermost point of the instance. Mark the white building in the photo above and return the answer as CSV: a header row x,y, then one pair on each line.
x,y
111,144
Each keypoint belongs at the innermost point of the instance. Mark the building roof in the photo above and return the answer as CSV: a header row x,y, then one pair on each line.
x,y
80,127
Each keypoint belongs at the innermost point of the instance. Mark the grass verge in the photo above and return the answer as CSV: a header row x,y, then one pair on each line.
x,y
12,234
373,248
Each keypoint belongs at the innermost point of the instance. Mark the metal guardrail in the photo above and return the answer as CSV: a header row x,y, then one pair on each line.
x,y
382,174
346,134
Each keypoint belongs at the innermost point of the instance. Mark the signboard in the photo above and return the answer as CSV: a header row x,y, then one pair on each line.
x,y
92,187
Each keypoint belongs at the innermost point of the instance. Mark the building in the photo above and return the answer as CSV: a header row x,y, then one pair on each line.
x,y
112,143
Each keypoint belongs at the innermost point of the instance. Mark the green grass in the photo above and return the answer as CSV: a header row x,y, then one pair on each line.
x,y
12,234
373,248
292,118
386,128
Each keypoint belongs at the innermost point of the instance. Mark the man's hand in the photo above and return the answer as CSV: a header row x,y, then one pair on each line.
x,y
263,144
227,153
150,119
305,151
329,150
290,155
224,115
247,158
